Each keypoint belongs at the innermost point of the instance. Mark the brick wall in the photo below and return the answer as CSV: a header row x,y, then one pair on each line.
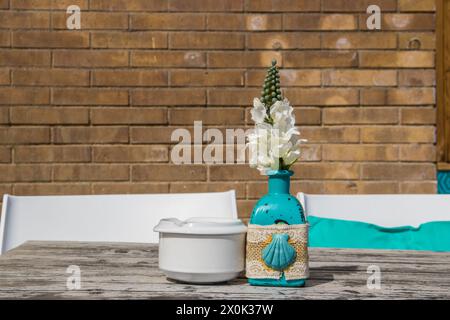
x,y
92,110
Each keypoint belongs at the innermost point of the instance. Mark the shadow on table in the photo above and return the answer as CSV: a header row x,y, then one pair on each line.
x,y
317,276
321,275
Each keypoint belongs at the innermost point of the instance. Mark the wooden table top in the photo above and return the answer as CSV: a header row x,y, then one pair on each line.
x,y
130,271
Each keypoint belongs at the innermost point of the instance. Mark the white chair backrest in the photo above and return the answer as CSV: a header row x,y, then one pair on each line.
x,y
113,218
383,210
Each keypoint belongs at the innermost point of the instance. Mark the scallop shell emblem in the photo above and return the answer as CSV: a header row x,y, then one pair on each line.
x,y
279,254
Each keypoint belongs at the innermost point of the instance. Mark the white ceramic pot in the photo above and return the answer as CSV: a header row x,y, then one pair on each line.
x,y
201,250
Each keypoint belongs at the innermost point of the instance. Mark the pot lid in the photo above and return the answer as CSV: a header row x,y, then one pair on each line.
x,y
202,225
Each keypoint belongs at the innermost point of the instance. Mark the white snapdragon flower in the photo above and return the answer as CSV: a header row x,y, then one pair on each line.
x,y
258,112
282,114
275,137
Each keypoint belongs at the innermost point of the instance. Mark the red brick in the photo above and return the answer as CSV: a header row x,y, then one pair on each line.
x,y
19,58
127,5
311,152
359,78
128,116
319,59
331,134
417,5
360,40
4,77
129,188
24,135
418,115
373,96
53,77
10,95
186,187
155,172
400,21
162,59
210,40
353,116
418,152
167,21
215,116
308,116
418,187
417,40
231,97
392,59
283,40
5,155
342,152
234,172
33,189
130,154
151,134
354,187
50,39
326,170
388,134
25,173
357,5
121,40
91,172
5,39
320,22
163,97
398,171
25,19
90,58
89,97
4,116
288,78
282,5
239,59
322,96
417,78
209,78
128,78
251,22
49,115
205,5
411,96
51,154
47,4
93,20
90,135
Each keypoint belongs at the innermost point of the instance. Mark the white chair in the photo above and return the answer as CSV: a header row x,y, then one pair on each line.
x,y
383,210
109,218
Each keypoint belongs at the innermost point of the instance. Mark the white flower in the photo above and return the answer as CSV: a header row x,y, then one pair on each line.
x,y
258,112
281,113
274,138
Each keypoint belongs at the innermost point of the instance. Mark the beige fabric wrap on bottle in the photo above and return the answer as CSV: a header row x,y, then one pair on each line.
x,y
258,237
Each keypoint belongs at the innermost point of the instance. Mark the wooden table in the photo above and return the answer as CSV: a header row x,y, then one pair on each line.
x,y
130,271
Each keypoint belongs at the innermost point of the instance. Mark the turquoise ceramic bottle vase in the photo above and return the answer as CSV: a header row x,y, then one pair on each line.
x,y
278,206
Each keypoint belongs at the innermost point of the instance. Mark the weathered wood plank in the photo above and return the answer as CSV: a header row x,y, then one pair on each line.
x,y
124,271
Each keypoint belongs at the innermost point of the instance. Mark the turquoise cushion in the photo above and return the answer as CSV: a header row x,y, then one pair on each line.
x,y
335,233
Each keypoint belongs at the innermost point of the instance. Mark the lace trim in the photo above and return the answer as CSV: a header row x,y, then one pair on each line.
x,y
258,237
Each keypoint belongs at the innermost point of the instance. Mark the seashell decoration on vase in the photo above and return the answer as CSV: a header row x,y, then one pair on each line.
x,y
279,254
